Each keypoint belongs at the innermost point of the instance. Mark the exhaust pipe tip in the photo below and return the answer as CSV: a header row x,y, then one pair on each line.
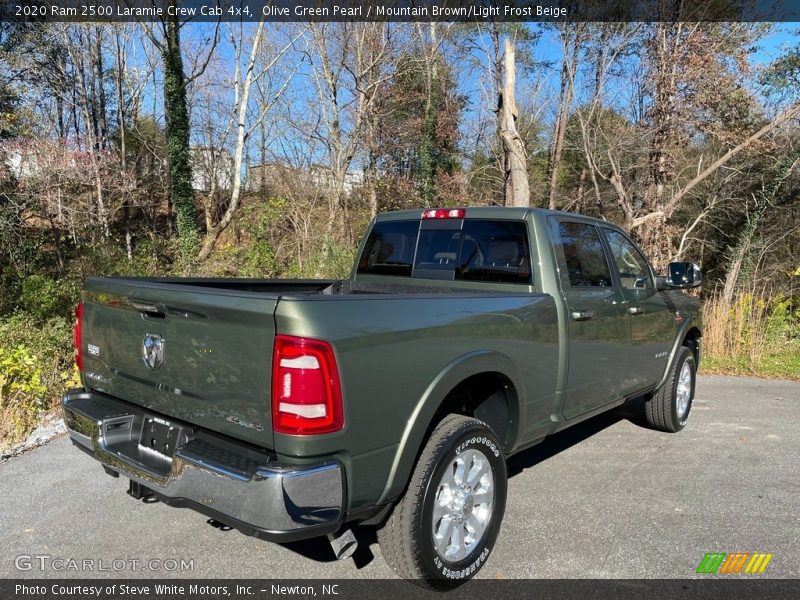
x,y
344,544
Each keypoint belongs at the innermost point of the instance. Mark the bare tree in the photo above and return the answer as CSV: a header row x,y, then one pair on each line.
x,y
516,189
85,81
243,83
762,202
349,68
571,35
650,190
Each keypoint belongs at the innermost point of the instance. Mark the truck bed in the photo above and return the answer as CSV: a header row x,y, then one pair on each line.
x,y
218,336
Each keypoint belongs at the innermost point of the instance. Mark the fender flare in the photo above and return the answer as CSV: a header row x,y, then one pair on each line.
x,y
688,324
463,367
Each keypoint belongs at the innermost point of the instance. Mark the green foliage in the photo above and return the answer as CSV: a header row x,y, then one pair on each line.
x,y
421,139
784,364
753,336
783,320
260,260
150,257
259,220
21,389
178,149
44,297
337,264
36,367
783,75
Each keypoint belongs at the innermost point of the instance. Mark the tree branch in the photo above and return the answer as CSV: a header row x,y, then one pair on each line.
x,y
710,169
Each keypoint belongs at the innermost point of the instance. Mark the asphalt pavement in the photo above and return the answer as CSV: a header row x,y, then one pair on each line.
x,y
606,498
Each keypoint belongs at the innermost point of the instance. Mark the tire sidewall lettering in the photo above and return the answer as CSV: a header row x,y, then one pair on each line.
x,y
485,443
467,571
476,440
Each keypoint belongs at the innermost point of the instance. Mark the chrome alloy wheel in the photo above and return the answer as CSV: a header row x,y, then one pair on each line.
x,y
463,505
683,391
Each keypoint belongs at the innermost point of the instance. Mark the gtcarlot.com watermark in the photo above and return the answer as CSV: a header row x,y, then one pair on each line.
x,y
47,562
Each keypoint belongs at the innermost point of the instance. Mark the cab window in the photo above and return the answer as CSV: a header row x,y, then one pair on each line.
x,y
584,255
473,250
390,249
634,272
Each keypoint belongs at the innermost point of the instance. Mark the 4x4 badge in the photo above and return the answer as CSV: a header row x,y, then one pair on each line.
x,y
153,350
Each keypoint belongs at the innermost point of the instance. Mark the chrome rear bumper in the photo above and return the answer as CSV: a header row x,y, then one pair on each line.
x,y
232,482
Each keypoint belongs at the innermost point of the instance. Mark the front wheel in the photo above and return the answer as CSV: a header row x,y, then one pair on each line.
x,y
669,407
443,529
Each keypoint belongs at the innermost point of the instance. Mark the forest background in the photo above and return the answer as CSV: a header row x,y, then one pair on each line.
x,y
264,150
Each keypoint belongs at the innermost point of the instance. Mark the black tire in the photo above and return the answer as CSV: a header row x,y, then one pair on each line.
x,y
407,537
661,409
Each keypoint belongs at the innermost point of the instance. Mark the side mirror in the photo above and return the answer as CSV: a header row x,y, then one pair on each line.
x,y
683,275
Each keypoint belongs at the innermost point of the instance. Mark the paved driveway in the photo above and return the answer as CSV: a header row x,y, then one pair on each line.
x,y
607,498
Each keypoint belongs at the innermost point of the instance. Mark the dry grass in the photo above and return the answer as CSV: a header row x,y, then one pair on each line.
x,y
736,329
754,334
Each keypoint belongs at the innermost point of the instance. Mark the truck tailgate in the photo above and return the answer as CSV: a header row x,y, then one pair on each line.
x,y
201,355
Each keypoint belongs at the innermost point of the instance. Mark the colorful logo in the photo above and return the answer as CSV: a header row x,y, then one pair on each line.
x,y
737,562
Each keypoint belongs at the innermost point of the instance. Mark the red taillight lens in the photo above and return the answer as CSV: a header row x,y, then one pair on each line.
x,y
77,336
444,213
306,394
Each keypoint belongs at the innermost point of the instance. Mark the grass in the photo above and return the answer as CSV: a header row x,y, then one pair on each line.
x,y
782,365
753,334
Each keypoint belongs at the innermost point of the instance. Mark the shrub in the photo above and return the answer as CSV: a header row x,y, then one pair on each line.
x,y
259,260
22,391
150,257
752,334
336,265
36,367
44,297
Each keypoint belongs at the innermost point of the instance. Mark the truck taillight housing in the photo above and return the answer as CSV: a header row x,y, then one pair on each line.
x,y
77,336
306,393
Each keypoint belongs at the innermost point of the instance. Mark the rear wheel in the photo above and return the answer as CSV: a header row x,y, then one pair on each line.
x,y
669,407
442,530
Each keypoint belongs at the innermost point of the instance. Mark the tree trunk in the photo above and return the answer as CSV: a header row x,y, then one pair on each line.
x,y
428,143
517,189
123,142
181,193
656,239
371,180
101,91
241,139
88,111
568,65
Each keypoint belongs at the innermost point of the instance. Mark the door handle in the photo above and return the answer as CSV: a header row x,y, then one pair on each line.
x,y
636,310
582,315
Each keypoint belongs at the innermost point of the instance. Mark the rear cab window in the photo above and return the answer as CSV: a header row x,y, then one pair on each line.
x,y
487,250
390,249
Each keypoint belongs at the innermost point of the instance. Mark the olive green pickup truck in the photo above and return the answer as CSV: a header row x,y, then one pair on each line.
x,y
291,409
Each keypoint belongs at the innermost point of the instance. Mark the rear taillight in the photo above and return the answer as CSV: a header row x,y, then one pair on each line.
x,y
306,394
77,336
444,213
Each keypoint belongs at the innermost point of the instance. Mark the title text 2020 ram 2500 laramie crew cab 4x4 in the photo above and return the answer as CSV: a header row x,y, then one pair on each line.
x,y
291,409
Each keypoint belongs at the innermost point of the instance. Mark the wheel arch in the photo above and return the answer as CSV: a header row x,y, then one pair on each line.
x,y
689,335
457,389
692,341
